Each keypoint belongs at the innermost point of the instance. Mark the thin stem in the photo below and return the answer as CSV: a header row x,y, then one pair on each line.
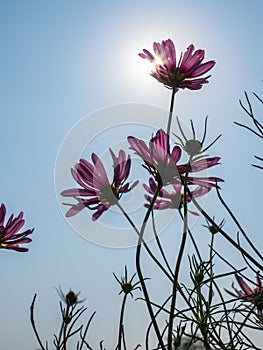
x,y
33,322
171,112
179,259
65,330
85,332
238,224
144,243
224,234
160,246
139,271
192,239
161,308
121,321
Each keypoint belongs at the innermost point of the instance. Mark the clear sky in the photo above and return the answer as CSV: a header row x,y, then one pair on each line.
x,y
61,61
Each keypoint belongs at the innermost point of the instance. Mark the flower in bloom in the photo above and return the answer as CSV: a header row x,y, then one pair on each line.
x,y
172,198
162,163
97,192
159,161
9,236
174,73
254,296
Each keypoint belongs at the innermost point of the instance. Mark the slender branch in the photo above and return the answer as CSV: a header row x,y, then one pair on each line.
x,y
33,322
171,112
139,271
179,259
65,330
85,331
238,224
248,128
121,324
224,234
160,246
144,243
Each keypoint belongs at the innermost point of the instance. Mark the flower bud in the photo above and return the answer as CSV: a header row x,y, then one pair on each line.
x,y
71,298
199,276
67,318
193,147
127,287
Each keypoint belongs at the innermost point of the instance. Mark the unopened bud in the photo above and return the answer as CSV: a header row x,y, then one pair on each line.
x,y
71,298
193,147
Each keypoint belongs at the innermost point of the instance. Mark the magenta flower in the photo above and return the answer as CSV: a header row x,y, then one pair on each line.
x,y
159,161
97,192
176,74
162,164
254,296
9,236
172,198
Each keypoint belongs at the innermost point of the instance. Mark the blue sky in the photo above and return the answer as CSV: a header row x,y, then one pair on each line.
x,y
60,62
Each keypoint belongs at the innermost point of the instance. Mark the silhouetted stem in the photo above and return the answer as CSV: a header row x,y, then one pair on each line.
x,y
171,113
33,322
238,224
160,246
225,235
139,271
65,331
179,259
121,325
144,243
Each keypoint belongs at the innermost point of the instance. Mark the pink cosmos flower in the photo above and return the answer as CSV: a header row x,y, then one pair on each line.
x,y
162,163
159,161
173,198
174,73
97,192
9,236
254,296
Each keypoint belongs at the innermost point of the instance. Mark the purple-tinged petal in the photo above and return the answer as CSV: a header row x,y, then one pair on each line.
x,y
73,192
195,84
202,69
14,228
243,284
99,170
98,213
2,214
176,154
75,209
147,55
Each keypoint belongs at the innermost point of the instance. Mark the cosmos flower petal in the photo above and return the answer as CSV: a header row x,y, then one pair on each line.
x,y
243,284
2,214
202,69
14,228
176,154
147,55
73,192
99,170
